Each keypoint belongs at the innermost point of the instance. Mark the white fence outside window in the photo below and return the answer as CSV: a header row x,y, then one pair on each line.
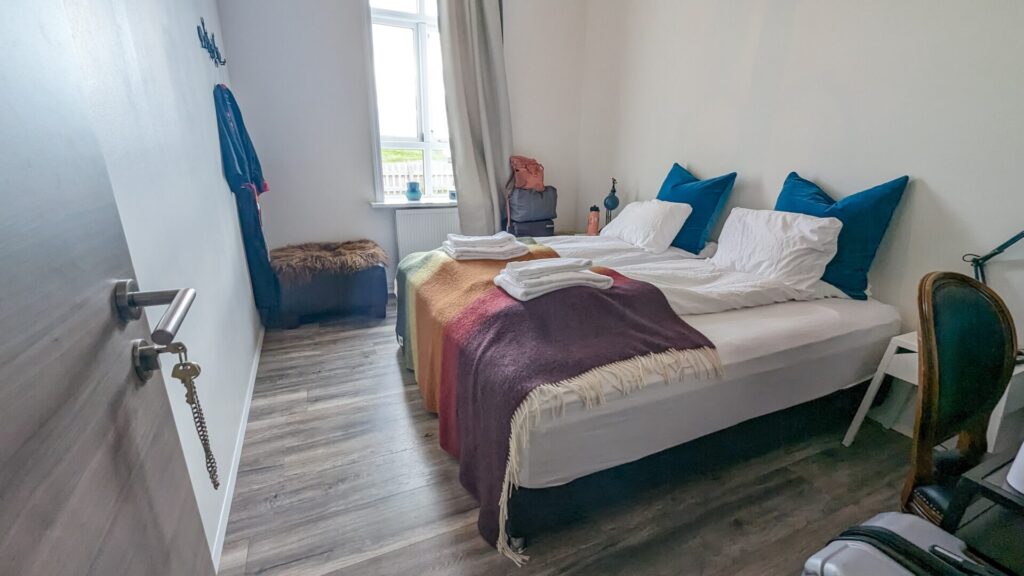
x,y
398,174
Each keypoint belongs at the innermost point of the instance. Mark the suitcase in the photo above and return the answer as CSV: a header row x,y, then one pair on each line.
x,y
894,544
537,229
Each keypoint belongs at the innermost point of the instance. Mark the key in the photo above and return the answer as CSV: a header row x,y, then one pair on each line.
x,y
187,372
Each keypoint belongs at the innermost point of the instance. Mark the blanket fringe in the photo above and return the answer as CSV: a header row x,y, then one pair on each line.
x,y
626,376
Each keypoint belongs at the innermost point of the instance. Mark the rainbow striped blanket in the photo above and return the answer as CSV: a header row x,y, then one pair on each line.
x,y
433,289
487,363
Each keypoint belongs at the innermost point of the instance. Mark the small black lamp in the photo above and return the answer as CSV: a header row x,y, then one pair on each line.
x,y
611,202
978,263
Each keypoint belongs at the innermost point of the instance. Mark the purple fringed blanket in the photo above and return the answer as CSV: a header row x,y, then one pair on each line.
x,y
507,358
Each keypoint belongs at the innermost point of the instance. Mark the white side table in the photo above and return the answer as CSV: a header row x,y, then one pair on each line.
x,y
899,361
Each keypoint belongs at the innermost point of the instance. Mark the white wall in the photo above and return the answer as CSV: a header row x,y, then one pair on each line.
x,y
543,48
150,92
301,72
850,94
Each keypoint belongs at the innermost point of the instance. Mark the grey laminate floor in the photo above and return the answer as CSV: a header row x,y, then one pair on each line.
x,y
341,474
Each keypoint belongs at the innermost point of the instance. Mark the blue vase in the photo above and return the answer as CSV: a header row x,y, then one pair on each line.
x,y
413,191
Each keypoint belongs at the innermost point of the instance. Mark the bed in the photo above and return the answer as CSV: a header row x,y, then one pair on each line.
x,y
774,357
773,346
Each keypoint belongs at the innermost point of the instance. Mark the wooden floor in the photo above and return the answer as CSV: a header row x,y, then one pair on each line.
x,y
341,474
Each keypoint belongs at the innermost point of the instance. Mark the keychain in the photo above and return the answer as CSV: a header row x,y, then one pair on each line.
x,y
187,372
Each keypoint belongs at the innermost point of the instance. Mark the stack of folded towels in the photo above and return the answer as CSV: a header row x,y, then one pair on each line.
x,y
500,246
532,278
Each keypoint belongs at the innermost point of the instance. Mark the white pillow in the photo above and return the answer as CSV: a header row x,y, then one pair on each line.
x,y
650,224
784,246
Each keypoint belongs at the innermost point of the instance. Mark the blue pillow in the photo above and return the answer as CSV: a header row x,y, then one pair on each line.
x,y
707,197
865,216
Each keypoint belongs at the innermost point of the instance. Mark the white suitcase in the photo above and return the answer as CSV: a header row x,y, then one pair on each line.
x,y
853,557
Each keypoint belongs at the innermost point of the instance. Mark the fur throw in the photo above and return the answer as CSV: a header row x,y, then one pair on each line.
x,y
299,262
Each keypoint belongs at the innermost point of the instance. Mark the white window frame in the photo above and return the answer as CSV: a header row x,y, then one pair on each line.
x,y
421,24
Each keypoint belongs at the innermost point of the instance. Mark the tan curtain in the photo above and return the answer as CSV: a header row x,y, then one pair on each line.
x,y
479,121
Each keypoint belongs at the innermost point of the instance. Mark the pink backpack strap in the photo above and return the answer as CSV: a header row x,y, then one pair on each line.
x,y
509,186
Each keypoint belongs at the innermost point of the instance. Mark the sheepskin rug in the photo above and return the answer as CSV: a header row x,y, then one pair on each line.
x,y
298,263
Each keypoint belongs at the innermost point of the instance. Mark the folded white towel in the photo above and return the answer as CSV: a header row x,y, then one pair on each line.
x,y
532,288
499,239
545,267
585,276
513,250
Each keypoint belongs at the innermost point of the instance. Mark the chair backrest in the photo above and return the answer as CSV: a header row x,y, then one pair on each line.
x,y
967,345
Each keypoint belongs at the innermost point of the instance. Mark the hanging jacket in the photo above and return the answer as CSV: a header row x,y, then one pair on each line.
x,y
245,177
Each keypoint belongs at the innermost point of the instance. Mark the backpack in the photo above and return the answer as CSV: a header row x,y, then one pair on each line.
x,y
526,173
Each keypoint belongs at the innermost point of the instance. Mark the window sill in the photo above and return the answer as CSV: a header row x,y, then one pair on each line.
x,y
403,204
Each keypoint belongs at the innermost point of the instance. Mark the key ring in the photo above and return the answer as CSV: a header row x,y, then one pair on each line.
x,y
182,352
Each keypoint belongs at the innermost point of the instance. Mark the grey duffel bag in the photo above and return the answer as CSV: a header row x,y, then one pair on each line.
x,y
525,205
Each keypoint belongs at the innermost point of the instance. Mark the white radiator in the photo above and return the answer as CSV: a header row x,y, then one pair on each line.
x,y
422,229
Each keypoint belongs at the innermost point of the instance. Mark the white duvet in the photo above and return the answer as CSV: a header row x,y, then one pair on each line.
x,y
699,287
691,282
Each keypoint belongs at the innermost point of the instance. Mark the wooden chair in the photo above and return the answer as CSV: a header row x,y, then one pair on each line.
x,y
967,345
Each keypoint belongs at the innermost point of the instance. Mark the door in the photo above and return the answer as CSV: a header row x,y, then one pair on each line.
x,y
92,477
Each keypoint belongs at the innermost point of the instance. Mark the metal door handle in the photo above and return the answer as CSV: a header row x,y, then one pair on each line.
x,y
130,302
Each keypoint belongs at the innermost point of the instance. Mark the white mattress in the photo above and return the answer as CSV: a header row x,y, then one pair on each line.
x,y
774,356
612,252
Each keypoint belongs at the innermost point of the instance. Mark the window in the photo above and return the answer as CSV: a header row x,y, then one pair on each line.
x,y
411,116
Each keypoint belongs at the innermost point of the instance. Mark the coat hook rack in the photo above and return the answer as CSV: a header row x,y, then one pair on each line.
x,y
209,43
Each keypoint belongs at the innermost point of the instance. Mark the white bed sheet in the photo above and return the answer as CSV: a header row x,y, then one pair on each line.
x,y
612,252
774,356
